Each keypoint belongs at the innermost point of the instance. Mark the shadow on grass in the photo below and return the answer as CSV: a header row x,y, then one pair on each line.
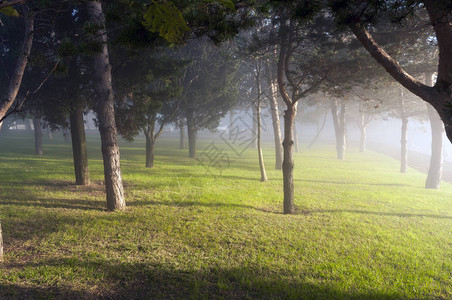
x,y
377,213
357,183
163,281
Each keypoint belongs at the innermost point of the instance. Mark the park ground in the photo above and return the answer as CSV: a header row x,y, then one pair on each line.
x,y
362,230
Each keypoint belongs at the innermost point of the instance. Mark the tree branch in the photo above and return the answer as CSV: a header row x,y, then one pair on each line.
x,y
391,66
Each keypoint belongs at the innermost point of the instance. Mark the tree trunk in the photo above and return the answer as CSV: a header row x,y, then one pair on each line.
x,y
362,139
79,147
436,159
150,145
191,130
181,135
288,163
38,135
275,120
231,122
339,122
254,128
22,60
258,121
105,112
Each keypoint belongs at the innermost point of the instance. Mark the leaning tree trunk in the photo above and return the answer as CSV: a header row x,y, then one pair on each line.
x,y
254,128
192,135
319,130
288,163
79,152
38,135
105,112
22,60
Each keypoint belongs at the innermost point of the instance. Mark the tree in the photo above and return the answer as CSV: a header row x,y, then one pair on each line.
x,y
105,110
357,15
209,88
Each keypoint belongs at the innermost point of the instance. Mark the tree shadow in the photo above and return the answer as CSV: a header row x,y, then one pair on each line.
x,y
356,183
377,213
141,280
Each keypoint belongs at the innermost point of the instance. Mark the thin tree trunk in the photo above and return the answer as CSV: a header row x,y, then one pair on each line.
x,y
191,130
79,152
259,131
254,128
38,135
362,139
22,60
181,135
105,112
150,144
230,127
288,163
275,120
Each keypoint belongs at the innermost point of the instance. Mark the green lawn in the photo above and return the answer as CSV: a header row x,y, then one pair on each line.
x,y
363,231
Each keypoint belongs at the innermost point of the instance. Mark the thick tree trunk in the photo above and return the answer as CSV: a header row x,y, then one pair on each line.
x,y
79,147
192,135
22,60
340,130
436,159
38,135
437,129
275,120
288,163
150,146
105,112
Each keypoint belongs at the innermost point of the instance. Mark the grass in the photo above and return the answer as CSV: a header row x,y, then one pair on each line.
x,y
363,231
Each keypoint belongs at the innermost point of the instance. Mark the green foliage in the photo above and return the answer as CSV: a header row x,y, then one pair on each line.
x,y
166,19
9,11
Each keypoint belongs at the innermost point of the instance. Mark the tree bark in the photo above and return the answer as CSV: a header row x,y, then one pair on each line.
x,y
274,107
105,112
192,135
254,128
436,159
79,152
288,163
181,135
38,135
340,129
362,139
150,145
22,60
258,121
